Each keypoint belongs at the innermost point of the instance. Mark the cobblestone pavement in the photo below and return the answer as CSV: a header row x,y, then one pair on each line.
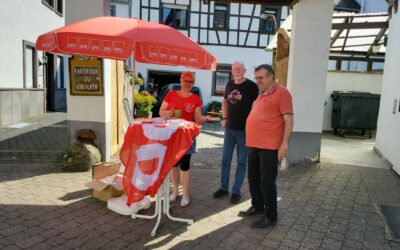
x,y
321,206
41,141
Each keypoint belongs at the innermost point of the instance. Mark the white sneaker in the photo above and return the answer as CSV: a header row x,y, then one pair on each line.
x,y
185,202
172,197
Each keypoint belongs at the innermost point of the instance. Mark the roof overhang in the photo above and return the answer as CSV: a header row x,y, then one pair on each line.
x,y
356,34
269,2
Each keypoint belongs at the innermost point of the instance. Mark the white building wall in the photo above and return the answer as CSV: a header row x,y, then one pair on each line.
x,y
90,112
309,47
388,133
122,10
77,10
91,108
21,20
88,108
348,81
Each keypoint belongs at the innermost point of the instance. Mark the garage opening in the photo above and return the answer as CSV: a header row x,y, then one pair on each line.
x,y
158,79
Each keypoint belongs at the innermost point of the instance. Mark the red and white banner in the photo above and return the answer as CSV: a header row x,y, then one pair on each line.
x,y
149,152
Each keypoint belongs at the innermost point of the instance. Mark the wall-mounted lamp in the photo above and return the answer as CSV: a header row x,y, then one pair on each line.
x,y
43,61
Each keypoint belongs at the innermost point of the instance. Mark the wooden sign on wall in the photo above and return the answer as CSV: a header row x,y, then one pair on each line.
x,y
85,76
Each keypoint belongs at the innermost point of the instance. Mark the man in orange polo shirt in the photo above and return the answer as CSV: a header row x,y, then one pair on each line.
x,y
268,128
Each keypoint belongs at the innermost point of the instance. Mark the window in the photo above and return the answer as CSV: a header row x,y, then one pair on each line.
x,y
175,16
220,77
55,5
221,16
332,65
355,66
377,66
271,20
49,3
30,65
60,73
60,7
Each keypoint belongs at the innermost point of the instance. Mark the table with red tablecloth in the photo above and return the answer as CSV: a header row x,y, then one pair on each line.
x,y
149,152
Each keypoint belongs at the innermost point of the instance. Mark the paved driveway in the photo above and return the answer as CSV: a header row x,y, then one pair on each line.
x,y
322,206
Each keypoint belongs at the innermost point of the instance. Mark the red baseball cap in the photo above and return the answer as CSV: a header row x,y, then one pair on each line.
x,y
187,76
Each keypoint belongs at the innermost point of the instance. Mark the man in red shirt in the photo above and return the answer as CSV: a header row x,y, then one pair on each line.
x,y
268,129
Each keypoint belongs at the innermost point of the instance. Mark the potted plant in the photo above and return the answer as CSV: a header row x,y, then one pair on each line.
x,y
143,104
135,80
215,106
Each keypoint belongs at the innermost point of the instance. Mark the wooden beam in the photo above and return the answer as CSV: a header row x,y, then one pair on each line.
x,y
269,2
347,34
352,46
350,52
365,25
360,16
360,59
376,40
339,32
360,36
250,23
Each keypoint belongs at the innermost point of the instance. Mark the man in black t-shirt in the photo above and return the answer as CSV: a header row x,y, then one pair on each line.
x,y
236,105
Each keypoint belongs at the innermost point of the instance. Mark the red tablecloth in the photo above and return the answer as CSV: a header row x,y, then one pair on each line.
x,y
149,152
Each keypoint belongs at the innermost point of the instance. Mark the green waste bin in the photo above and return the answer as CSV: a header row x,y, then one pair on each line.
x,y
354,111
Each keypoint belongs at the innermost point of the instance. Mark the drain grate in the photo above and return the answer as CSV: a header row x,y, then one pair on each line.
x,y
391,215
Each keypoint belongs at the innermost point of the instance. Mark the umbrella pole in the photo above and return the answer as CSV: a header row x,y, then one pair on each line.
x,y
134,75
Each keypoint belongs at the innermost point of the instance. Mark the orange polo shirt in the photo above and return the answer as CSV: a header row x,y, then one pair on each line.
x,y
265,124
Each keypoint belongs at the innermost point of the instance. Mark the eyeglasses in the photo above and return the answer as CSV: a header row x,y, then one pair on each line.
x,y
260,78
191,82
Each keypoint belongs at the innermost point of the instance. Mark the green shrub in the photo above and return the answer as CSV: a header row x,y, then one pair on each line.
x,y
144,101
80,157
215,106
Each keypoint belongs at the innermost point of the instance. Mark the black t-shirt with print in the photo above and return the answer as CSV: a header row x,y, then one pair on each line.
x,y
240,98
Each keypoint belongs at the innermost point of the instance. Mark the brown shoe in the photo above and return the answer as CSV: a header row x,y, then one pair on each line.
x,y
235,198
250,212
263,222
220,193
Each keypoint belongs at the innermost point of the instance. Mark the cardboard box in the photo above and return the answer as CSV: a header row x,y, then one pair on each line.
x,y
106,181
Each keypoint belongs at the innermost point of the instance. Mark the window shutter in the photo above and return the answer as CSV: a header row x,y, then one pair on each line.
x,y
29,74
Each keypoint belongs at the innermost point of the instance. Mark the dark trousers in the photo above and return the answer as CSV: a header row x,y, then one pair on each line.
x,y
262,173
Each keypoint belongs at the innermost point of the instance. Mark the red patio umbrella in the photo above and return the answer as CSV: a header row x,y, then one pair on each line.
x,y
117,38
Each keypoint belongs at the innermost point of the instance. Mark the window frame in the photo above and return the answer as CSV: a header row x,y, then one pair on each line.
x,y
25,45
56,7
226,16
179,7
220,68
278,13
52,7
62,82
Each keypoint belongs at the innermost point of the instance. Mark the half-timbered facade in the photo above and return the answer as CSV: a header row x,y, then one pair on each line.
x,y
231,31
